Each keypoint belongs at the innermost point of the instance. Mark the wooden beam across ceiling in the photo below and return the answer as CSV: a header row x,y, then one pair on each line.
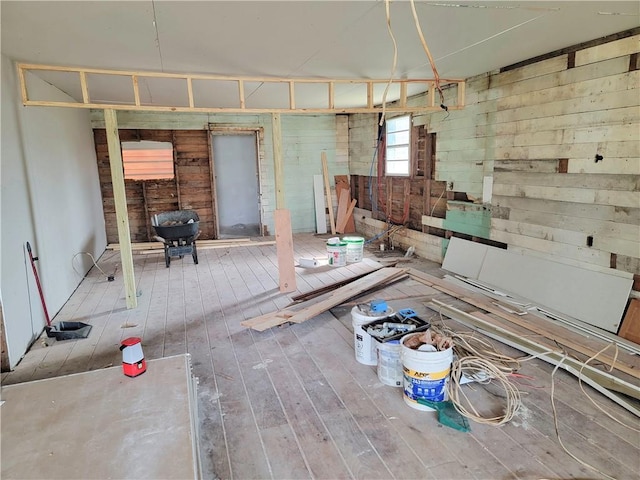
x,y
289,104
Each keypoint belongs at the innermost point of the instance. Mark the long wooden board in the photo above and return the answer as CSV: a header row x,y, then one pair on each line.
x,y
284,247
306,310
327,187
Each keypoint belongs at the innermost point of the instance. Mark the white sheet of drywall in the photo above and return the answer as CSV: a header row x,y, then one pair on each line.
x,y
52,199
464,257
594,297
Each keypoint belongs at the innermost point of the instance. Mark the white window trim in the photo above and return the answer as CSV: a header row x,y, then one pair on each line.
x,y
406,161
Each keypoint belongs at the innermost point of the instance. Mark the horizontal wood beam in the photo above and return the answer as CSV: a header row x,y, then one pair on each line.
x,y
367,104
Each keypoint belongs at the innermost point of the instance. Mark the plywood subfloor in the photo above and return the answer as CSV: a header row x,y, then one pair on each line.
x,y
292,402
102,424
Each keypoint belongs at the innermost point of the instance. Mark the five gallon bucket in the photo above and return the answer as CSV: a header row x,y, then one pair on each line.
x,y
355,248
389,363
337,252
425,373
364,344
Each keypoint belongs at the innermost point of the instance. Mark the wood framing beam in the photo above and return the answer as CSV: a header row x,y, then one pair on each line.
x,y
120,198
372,102
276,133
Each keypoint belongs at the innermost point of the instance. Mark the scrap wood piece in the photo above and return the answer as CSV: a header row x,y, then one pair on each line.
x,y
630,327
342,294
342,183
304,311
604,382
201,243
341,217
327,288
284,251
220,245
327,187
625,362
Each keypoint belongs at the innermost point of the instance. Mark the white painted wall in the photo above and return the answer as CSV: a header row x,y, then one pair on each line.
x,y
50,198
304,137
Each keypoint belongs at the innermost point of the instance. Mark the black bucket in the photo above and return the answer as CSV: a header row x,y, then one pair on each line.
x,y
68,330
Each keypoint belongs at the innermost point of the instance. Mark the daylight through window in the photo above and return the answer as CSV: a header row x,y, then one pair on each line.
x,y
398,138
147,160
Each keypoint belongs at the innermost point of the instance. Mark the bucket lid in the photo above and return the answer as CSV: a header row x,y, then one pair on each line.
x,y
128,342
336,244
353,239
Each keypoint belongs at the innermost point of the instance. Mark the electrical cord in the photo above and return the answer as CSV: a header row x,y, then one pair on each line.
x,y
395,61
478,359
94,263
436,76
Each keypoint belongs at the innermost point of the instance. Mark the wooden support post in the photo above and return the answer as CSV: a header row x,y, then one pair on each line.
x,y
284,249
120,198
276,132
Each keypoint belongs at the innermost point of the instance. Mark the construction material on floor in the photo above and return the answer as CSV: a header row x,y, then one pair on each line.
x,y
332,286
623,361
364,344
604,382
101,424
303,311
337,252
327,191
284,249
630,328
201,243
594,297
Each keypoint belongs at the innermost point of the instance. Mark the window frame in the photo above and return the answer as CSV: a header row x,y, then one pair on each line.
x,y
161,171
398,145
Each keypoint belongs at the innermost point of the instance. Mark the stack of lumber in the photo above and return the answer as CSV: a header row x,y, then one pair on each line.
x,y
315,305
344,219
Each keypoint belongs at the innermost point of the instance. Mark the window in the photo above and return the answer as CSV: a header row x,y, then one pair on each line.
x,y
397,152
147,160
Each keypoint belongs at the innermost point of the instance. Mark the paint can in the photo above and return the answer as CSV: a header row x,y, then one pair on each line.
x,y
337,252
389,363
364,344
425,374
355,248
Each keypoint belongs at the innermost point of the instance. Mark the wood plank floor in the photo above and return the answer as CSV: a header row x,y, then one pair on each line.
x,y
293,403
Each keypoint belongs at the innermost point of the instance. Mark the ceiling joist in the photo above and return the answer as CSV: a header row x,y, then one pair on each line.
x,y
226,94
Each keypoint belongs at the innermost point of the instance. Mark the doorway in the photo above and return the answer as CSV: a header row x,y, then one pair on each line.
x,y
237,183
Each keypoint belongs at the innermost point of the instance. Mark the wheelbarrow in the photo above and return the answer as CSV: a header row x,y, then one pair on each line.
x,y
178,231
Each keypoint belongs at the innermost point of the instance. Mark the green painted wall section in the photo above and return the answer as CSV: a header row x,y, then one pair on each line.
x,y
472,222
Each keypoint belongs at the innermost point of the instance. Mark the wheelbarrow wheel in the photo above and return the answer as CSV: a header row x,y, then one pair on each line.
x,y
194,254
167,257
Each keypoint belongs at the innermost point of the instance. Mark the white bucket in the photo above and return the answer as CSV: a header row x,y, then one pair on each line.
x,y
426,374
389,363
337,253
355,248
364,344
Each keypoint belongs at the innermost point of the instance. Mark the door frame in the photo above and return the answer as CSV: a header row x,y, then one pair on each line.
x,y
258,134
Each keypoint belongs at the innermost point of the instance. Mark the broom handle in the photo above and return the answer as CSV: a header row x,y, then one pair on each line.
x,y
35,274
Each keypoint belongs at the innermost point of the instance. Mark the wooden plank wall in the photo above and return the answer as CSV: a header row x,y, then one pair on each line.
x,y
532,134
550,193
190,189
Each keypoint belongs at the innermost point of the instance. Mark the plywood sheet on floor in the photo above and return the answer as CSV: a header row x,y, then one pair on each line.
x,y
102,424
